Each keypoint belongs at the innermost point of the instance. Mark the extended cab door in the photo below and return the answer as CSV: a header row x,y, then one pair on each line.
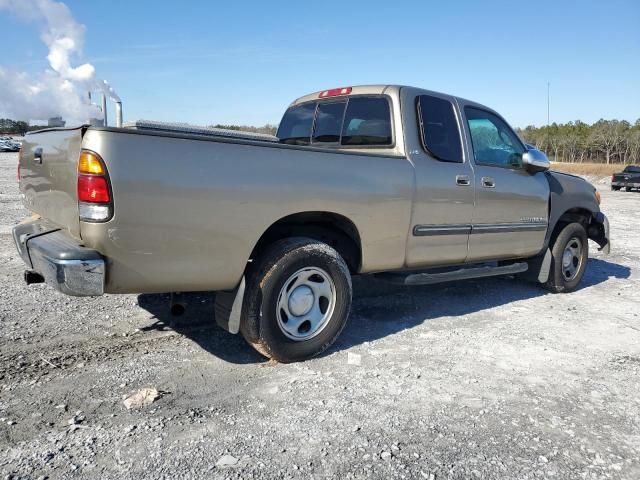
x,y
444,192
511,207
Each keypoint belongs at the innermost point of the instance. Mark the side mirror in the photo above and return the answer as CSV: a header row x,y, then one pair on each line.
x,y
535,161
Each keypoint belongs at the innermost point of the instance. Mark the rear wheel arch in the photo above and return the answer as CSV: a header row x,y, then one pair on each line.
x,y
333,229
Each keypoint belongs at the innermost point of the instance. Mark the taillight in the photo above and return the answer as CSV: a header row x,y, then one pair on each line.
x,y
94,195
335,92
93,188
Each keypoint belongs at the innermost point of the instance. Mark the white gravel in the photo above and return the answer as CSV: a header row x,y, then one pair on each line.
x,y
479,379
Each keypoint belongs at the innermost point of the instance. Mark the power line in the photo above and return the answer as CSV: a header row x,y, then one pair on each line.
x,y
548,101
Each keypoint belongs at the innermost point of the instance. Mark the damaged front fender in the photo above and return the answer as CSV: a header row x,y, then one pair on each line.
x,y
599,232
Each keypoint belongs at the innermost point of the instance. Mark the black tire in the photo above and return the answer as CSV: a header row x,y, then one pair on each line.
x,y
558,281
627,189
265,280
615,189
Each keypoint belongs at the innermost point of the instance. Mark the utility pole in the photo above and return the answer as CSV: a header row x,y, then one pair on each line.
x,y
548,101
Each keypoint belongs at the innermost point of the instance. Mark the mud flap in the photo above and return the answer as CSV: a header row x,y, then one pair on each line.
x,y
228,308
539,267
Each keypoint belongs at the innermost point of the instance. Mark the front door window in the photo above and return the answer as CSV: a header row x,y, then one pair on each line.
x,y
494,143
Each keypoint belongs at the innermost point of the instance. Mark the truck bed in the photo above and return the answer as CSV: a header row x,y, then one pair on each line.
x,y
189,207
156,126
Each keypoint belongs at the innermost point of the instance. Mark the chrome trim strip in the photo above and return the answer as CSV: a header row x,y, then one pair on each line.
x,y
424,230
465,229
508,227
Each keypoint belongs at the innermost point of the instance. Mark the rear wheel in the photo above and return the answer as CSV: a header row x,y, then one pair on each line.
x,y
569,255
615,189
627,189
298,300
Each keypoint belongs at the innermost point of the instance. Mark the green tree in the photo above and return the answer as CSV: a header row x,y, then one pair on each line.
x,y
607,136
21,127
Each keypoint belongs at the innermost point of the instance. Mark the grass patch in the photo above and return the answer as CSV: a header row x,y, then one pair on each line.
x,y
596,169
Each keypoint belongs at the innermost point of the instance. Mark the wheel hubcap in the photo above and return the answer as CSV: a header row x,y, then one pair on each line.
x,y
572,259
305,303
301,300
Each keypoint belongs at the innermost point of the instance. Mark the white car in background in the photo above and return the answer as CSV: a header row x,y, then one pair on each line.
x,y
8,144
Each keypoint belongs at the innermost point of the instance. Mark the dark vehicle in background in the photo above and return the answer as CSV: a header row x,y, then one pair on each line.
x,y
628,179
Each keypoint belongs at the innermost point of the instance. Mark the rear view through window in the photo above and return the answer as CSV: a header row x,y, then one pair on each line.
x,y
328,122
367,122
295,127
358,121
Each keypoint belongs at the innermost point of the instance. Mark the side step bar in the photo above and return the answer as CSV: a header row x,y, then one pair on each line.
x,y
454,275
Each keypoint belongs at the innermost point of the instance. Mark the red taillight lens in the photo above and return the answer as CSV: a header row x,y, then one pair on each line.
x,y
93,188
335,92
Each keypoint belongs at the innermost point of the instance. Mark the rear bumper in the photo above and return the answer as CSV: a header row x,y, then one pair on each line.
x,y
625,184
63,263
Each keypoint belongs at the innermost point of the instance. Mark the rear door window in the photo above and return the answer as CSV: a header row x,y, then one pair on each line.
x,y
439,127
295,127
328,123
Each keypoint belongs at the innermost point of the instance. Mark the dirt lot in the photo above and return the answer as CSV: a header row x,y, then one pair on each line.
x,y
480,379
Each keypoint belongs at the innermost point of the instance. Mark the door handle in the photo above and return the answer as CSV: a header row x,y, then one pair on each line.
x,y
463,180
37,155
488,182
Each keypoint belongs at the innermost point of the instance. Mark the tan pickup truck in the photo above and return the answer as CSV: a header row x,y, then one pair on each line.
x,y
414,186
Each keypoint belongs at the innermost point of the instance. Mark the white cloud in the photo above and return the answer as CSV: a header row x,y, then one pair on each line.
x,y
56,91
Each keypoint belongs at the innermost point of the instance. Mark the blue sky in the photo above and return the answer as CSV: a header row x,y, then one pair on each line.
x,y
243,62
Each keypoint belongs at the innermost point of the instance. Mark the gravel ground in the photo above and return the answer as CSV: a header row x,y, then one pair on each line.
x,y
479,379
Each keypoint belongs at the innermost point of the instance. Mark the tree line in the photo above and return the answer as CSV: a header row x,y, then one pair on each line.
x,y
605,141
17,127
268,128
13,127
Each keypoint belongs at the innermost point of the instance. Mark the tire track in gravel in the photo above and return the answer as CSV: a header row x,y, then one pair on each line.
x,y
31,363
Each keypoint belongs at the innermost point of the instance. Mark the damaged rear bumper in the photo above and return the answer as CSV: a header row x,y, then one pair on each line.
x,y
59,259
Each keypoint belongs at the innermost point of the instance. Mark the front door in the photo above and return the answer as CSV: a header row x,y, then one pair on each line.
x,y
443,203
510,215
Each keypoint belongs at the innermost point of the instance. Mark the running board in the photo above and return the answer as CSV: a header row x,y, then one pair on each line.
x,y
454,275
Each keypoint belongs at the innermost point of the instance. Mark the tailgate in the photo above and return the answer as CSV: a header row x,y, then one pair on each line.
x,y
48,176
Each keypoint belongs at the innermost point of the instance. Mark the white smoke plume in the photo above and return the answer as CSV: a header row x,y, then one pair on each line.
x,y
60,89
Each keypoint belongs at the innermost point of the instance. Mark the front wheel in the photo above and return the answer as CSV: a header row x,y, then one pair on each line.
x,y
298,300
615,189
569,255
